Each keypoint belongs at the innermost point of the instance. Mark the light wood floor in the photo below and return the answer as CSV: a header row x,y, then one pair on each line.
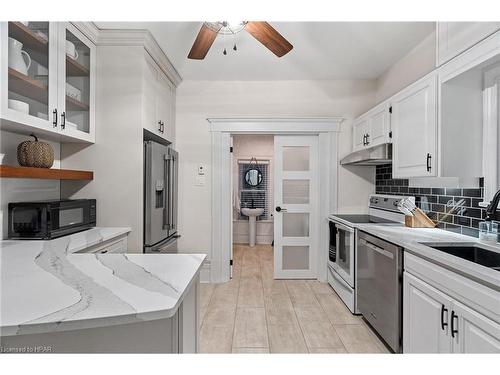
x,y
253,313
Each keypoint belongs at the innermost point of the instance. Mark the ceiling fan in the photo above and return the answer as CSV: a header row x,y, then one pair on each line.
x,y
260,30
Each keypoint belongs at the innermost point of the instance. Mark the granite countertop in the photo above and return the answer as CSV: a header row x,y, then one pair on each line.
x,y
45,286
411,240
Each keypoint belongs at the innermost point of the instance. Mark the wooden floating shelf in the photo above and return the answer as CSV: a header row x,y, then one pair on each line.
x,y
31,88
28,38
44,173
75,105
27,86
75,69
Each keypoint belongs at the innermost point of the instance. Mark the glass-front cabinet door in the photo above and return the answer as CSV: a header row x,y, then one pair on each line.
x,y
76,83
29,75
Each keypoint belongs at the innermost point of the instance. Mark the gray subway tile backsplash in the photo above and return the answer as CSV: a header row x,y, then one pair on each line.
x,y
466,221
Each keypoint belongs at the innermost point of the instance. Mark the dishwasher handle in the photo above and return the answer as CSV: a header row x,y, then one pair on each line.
x,y
377,249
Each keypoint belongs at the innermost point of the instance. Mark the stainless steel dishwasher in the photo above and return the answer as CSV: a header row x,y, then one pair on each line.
x,y
379,292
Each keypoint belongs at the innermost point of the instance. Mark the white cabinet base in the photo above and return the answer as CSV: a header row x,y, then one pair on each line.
x,y
178,334
436,318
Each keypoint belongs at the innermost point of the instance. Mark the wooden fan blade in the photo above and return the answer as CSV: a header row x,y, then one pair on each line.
x,y
202,43
268,36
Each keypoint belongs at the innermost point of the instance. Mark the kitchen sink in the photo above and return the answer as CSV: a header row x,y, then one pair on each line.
x,y
472,252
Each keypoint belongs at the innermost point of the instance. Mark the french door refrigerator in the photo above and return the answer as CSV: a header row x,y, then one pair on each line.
x,y
160,198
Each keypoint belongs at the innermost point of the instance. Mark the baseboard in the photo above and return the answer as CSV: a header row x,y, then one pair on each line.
x,y
205,272
261,240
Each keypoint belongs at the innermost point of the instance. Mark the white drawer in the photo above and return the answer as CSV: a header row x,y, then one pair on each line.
x,y
116,246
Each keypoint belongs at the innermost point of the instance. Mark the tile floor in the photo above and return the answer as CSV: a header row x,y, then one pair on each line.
x,y
253,313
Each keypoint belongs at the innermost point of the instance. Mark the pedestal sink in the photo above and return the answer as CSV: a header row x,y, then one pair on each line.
x,y
252,214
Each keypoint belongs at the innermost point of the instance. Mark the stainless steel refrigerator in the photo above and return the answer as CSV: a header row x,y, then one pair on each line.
x,y
160,198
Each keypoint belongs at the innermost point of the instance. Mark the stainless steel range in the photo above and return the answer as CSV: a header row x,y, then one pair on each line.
x,y
343,243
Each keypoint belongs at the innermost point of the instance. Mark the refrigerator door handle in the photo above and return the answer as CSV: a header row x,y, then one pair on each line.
x,y
167,206
173,191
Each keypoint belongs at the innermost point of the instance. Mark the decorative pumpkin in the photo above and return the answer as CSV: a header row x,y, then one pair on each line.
x,y
35,154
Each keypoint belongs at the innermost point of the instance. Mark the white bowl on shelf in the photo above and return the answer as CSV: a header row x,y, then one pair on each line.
x,y
73,92
42,115
19,105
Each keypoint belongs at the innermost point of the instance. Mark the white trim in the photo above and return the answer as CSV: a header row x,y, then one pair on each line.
x,y
276,125
89,29
221,129
140,38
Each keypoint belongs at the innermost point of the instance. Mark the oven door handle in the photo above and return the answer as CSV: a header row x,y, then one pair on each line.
x,y
343,227
377,249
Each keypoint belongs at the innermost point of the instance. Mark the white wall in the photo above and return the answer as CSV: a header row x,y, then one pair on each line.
x,y
117,156
23,189
414,65
199,100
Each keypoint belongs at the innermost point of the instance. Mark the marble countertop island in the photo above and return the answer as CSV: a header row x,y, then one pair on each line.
x,y
45,286
418,241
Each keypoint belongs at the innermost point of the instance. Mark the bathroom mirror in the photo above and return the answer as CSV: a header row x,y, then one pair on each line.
x,y
253,177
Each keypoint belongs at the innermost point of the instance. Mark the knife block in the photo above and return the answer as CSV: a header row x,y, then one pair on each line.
x,y
413,222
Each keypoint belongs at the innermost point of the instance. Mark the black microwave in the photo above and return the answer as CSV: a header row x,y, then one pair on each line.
x,y
45,220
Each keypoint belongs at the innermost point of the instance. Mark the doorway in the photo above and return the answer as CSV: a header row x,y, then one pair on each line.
x,y
325,131
274,194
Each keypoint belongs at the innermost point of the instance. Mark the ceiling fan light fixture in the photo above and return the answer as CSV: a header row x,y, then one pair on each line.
x,y
226,27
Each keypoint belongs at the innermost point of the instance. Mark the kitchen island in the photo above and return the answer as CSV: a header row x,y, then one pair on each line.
x,y
53,299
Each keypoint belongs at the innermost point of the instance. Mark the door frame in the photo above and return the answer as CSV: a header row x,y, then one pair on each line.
x,y
221,129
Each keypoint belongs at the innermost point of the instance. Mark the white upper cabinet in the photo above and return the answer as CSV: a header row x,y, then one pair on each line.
x,y
164,105
372,128
47,79
380,125
76,83
158,100
455,37
414,128
359,131
150,119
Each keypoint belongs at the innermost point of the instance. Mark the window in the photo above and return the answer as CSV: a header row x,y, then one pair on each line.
x,y
254,196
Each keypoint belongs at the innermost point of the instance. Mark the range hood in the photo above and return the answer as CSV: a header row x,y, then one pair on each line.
x,y
381,154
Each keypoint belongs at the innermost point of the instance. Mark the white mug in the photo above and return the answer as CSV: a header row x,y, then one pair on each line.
x,y
71,50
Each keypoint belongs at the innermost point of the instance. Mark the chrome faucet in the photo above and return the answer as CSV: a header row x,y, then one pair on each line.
x,y
491,210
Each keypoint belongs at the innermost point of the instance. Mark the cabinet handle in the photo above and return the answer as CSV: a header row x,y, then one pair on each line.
x,y
429,157
162,127
443,323
364,139
104,251
63,120
159,126
453,330
367,139
54,118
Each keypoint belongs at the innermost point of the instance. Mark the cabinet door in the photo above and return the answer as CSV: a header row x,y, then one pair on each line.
x,y
379,128
413,122
456,37
476,333
163,103
426,314
359,130
150,120
76,84
28,76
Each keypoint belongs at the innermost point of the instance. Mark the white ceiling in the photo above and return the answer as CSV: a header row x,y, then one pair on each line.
x,y
322,50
